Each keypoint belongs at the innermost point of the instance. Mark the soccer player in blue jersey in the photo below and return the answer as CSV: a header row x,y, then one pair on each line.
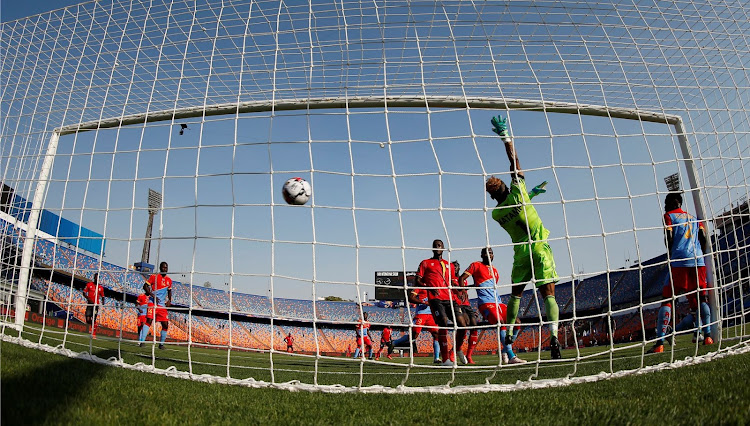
x,y
422,319
159,286
685,237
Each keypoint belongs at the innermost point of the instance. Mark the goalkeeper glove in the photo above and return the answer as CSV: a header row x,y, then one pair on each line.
x,y
539,189
500,127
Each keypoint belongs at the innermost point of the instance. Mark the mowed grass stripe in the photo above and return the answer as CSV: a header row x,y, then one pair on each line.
x,y
40,387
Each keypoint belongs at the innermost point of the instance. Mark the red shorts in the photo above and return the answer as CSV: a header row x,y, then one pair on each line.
x,y
141,320
161,314
494,313
424,320
368,342
686,279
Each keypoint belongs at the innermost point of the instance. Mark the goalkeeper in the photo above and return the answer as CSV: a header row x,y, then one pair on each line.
x,y
532,258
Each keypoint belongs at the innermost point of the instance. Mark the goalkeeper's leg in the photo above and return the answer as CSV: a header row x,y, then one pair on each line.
x,y
513,306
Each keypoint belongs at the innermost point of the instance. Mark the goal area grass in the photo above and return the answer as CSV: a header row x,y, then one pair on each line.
x,y
39,387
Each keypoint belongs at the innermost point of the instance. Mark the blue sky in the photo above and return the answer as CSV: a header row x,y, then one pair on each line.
x,y
11,10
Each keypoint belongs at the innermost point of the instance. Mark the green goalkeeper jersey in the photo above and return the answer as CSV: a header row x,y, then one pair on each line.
x,y
518,216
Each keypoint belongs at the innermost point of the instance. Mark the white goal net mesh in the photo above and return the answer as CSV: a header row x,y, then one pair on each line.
x,y
140,132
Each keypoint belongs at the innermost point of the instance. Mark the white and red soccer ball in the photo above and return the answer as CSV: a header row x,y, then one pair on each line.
x,y
296,191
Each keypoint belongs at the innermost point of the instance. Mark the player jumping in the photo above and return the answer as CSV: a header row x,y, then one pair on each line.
x,y
485,278
532,258
685,238
159,286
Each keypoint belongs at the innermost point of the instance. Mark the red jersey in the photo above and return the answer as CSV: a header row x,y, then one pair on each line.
x,y
289,340
437,273
93,293
386,335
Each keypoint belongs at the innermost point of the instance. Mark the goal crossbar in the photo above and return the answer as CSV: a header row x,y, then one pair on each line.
x,y
373,102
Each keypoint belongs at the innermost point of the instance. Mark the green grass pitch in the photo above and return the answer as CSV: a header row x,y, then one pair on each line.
x,y
39,387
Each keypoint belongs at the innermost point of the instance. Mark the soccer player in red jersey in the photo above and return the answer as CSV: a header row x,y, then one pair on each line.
x,y
461,296
159,286
485,279
363,336
437,275
145,311
289,340
94,293
385,342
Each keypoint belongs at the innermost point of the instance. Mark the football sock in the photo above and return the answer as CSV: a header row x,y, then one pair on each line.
x,y
553,314
460,337
508,349
443,340
473,339
163,336
435,349
663,321
706,319
513,305
144,333
369,353
356,353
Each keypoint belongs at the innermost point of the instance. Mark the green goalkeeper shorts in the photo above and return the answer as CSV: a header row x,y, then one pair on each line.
x,y
542,260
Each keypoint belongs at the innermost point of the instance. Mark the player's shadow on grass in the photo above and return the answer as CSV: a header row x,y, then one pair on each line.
x,y
39,395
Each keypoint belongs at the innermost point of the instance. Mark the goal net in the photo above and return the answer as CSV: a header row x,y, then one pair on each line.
x,y
141,132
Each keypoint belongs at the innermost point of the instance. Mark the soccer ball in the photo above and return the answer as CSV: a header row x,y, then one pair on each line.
x,y
296,191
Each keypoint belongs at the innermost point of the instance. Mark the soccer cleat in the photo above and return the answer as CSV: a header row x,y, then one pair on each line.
x,y
505,358
698,338
471,361
447,363
708,341
554,348
140,345
461,357
389,356
516,360
437,361
657,349
161,345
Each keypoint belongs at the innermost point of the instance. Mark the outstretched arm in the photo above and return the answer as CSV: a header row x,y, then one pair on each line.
x,y
500,127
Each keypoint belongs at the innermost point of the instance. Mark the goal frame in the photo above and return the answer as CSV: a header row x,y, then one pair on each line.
x,y
358,103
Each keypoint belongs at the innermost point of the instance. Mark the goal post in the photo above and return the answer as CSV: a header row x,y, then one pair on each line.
x,y
496,104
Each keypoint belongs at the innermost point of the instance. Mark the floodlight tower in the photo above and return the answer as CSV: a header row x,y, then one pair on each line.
x,y
673,182
154,205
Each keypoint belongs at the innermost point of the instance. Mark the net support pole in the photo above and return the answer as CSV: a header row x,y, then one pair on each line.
x,y
31,227
697,193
